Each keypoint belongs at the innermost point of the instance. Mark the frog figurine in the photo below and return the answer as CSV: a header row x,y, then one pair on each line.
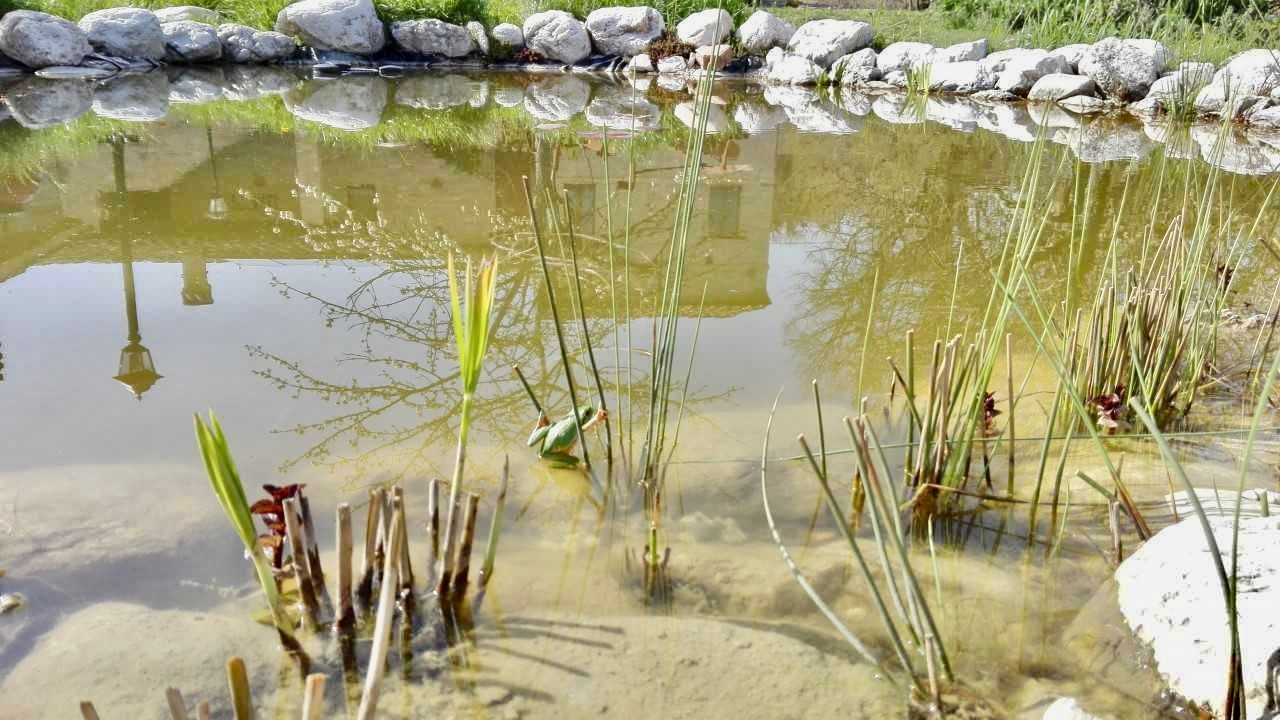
x,y
556,440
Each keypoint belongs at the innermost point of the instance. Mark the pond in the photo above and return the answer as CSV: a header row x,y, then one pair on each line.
x,y
278,255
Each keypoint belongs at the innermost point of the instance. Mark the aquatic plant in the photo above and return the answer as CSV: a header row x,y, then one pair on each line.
x,y
471,332
919,79
225,480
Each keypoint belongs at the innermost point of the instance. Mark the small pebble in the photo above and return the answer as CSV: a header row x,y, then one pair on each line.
x,y
11,601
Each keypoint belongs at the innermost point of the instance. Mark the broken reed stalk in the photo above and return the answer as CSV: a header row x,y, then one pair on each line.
x,y
464,548
382,625
433,527
177,706
313,558
406,567
373,514
555,318
88,712
301,571
238,683
345,620
313,697
1113,522
495,530
533,398
202,710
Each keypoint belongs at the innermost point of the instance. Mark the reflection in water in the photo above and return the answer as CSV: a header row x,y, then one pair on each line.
x,y
327,249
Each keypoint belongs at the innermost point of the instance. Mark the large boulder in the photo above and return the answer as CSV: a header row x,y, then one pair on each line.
x,y
965,77
186,41
125,32
433,37
557,35
824,41
856,68
243,44
903,55
38,103
1124,69
343,25
1060,86
786,68
142,97
191,13
962,52
764,31
625,31
1073,54
39,40
1189,79
346,103
1022,70
705,27
479,36
1170,596
507,36
1252,72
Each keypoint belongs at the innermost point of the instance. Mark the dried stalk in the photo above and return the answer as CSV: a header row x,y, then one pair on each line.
x,y
313,697
177,707
238,682
297,544
345,621
464,548
382,626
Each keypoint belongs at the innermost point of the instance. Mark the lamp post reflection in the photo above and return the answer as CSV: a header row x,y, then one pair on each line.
x,y
137,371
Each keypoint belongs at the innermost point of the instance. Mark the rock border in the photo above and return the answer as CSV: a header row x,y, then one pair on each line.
x,y
337,36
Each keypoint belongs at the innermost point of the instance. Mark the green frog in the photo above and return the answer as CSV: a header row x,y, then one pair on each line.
x,y
556,440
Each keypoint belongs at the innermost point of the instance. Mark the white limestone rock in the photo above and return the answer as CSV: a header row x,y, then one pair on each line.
x,y
1073,54
479,36
1252,72
823,41
125,32
1022,70
903,55
349,26
250,82
508,36
764,31
557,35
187,41
40,40
672,64
1190,78
712,57
243,44
962,52
856,68
641,63
705,27
433,37
1170,597
792,69
1124,69
1059,86
965,77
624,31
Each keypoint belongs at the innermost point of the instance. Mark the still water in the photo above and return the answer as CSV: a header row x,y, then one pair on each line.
x,y
277,255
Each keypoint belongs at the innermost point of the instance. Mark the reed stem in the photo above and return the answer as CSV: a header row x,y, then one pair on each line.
x,y
345,622
301,569
382,626
238,682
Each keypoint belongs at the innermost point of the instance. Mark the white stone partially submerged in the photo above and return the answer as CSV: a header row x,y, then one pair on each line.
x,y
1170,596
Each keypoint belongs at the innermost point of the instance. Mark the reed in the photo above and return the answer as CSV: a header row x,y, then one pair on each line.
x,y
472,332
225,479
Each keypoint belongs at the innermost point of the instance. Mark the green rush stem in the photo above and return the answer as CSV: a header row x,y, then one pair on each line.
x,y
586,334
555,316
